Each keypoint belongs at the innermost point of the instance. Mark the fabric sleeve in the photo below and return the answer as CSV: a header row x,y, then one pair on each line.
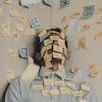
x,y
13,92
82,75
91,96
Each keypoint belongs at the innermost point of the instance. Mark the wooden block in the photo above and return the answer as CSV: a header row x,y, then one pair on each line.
x,y
47,57
54,92
11,52
47,42
85,27
64,19
6,33
13,12
84,100
48,82
77,93
95,73
63,60
38,87
6,26
46,74
69,53
54,37
55,32
61,42
74,69
68,79
61,67
98,36
57,55
21,18
85,88
59,83
71,86
92,67
59,75
10,75
46,93
42,33
15,35
57,48
20,27
65,90
99,10
82,43
75,15
42,51
100,20
30,31
8,1
48,64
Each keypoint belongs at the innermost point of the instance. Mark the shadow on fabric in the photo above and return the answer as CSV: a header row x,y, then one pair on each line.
x,y
3,96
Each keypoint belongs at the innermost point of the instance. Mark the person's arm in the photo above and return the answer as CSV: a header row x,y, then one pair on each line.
x,y
82,76
91,96
13,92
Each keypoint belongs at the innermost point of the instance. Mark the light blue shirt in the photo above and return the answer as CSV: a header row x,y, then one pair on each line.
x,y
19,91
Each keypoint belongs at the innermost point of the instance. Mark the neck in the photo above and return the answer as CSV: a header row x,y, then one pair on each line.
x,y
55,66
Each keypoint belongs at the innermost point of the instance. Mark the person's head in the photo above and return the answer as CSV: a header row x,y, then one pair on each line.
x,y
51,48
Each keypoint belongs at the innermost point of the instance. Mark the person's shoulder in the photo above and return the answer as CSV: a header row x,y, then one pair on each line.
x,y
15,82
81,76
18,82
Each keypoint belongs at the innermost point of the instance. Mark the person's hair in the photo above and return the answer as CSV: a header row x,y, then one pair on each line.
x,y
37,45
37,49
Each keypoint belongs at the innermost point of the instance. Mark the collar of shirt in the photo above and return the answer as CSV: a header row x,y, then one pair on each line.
x,y
45,72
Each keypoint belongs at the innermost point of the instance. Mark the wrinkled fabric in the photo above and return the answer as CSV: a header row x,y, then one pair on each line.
x,y
19,91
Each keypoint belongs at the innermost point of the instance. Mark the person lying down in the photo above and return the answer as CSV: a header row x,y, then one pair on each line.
x,y
47,81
